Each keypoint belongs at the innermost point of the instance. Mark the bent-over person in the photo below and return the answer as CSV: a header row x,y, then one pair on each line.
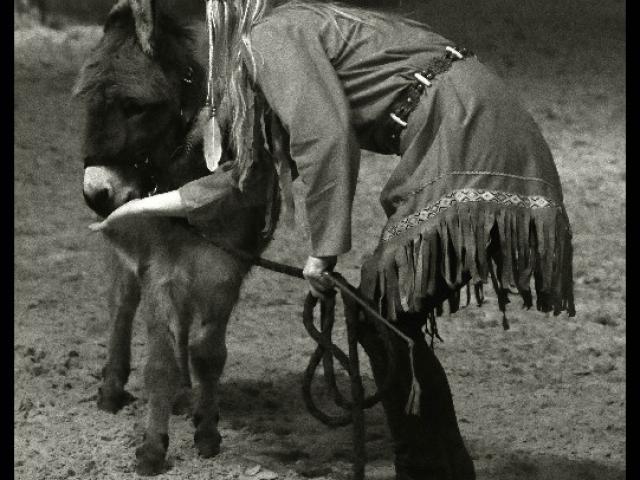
x,y
475,197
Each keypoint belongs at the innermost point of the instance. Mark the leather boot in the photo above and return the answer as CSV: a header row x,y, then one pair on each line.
x,y
428,446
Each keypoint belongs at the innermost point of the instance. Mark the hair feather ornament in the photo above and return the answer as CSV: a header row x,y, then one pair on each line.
x,y
211,134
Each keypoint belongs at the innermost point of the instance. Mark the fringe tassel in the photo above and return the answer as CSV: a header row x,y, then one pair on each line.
x,y
413,402
479,292
470,243
503,299
431,328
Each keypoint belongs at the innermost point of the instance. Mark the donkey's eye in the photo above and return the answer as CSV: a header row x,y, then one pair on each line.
x,y
131,108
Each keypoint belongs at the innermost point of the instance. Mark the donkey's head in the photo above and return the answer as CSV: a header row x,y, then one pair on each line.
x,y
143,85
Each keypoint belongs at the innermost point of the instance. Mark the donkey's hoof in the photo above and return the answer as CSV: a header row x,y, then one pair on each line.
x,y
150,456
113,400
207,442
150,459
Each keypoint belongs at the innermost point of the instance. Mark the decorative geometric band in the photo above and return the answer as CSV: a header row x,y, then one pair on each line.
x,y
465,195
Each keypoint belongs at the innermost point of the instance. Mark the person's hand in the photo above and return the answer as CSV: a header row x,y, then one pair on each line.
x,y
119,217
315,271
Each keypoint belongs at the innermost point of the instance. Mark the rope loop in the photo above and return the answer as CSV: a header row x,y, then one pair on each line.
x,y
326,351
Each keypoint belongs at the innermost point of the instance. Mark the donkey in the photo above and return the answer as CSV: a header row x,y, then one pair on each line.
x,y
140,109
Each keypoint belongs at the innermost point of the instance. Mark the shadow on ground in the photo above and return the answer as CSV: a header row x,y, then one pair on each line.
x,y
274,414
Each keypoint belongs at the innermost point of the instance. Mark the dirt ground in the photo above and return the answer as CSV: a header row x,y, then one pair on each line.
x,y
544,400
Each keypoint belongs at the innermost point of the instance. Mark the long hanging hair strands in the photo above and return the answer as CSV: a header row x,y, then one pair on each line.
x,y
235,64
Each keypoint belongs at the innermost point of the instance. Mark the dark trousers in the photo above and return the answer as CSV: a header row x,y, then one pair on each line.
x,y
428,446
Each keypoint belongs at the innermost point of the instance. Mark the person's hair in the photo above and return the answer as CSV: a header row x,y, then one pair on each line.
x,y
235,63
232,23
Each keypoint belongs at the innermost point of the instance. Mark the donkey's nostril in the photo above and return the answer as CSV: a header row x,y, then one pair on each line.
x,y
99,200
101,196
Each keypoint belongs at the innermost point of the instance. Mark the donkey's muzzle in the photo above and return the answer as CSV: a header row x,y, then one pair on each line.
x,y
105,189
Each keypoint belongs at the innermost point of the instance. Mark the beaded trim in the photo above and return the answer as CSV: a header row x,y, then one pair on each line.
x,y
466,195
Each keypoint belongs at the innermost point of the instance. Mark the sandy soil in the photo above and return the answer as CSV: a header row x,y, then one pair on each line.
x,y
544,400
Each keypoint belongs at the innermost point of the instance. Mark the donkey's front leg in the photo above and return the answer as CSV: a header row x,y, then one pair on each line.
x,y
208,356
123,298
182,400
161,377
